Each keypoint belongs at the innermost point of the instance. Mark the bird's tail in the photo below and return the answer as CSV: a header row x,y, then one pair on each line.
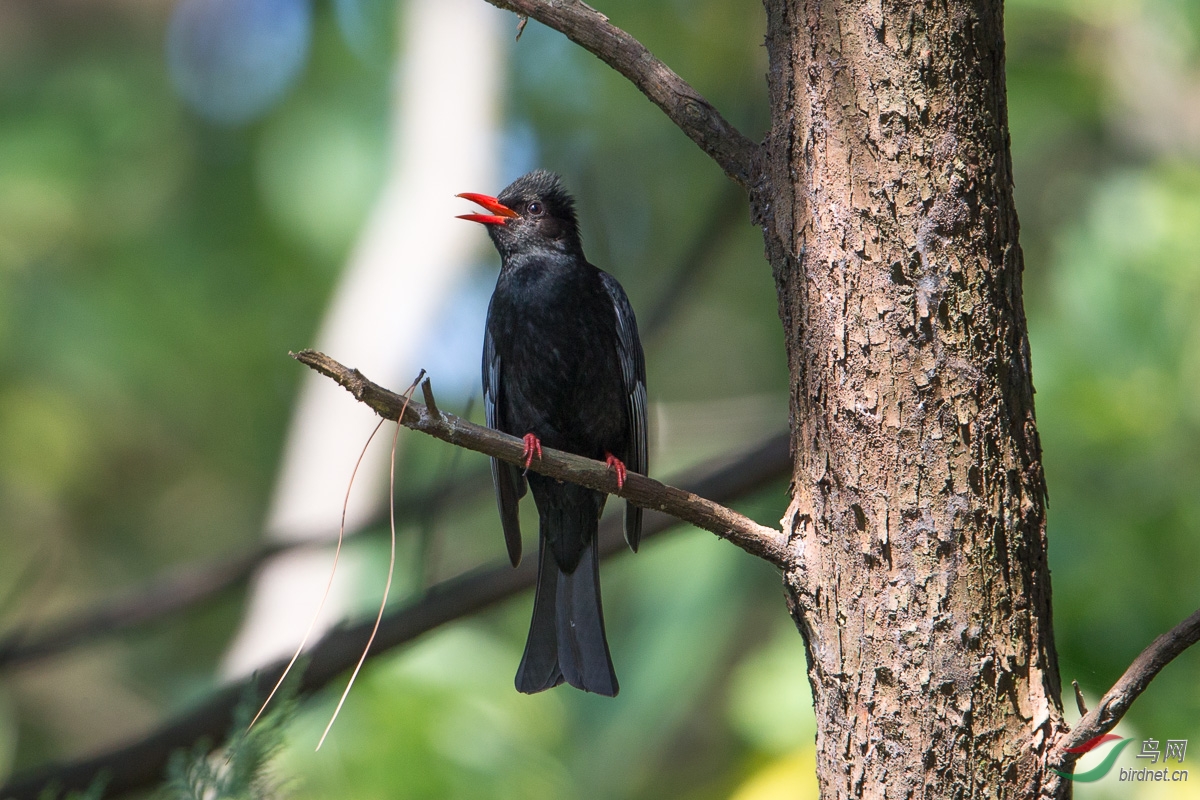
x,y
566,636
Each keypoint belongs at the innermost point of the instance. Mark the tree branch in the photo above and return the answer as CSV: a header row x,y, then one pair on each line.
x,y
140,764
695,116
186,586
758,540
1112,707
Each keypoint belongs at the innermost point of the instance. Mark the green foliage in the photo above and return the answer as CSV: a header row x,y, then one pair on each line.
x,y
154,271
94,792
1109,193
239,770
1119,382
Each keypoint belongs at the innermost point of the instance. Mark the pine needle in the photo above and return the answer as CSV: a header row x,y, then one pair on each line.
x,y
337,553
391,562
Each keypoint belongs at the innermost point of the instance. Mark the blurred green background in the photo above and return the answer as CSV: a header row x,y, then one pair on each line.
x,y
157,262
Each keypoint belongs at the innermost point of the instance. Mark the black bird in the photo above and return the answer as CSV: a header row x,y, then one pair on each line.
x,y
562,367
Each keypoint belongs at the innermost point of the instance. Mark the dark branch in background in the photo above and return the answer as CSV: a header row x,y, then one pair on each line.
x,y
185,587
169,593
694,115
141,764
758,540
1112,707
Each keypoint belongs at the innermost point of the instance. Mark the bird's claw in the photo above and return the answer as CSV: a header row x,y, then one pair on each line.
x,y
533,447
619,467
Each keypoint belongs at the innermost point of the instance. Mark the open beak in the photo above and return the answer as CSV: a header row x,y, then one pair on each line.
x,y
500,215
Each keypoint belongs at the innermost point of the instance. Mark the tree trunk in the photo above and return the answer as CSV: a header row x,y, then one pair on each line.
x,y
918,508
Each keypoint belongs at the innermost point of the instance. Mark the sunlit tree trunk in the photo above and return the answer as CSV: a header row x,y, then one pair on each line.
x,y
918,508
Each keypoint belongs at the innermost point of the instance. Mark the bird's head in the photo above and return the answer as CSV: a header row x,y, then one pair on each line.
x,y
535,213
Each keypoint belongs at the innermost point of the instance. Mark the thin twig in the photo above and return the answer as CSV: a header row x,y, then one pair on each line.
x,y
759,540
1079,701
736,154
427,393
1112,707
140,764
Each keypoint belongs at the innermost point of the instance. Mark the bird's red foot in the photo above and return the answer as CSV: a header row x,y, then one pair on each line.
x,y
533,447
616,464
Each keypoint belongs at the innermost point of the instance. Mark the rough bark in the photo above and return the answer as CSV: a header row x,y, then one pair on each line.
x,y
914,550
918,514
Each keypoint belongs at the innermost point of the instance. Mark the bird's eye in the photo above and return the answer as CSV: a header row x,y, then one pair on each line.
x,y
535,209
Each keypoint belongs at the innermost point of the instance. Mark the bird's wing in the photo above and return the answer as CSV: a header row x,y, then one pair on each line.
x,y
509,483
633,372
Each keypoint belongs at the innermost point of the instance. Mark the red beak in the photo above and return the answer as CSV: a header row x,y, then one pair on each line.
x,y
500,215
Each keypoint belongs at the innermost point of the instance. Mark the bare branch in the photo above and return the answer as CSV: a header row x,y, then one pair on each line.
x,y
140,764
759,540
1112,707
694,115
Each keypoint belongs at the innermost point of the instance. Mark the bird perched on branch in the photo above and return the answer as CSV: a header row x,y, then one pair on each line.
x,y
563,368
